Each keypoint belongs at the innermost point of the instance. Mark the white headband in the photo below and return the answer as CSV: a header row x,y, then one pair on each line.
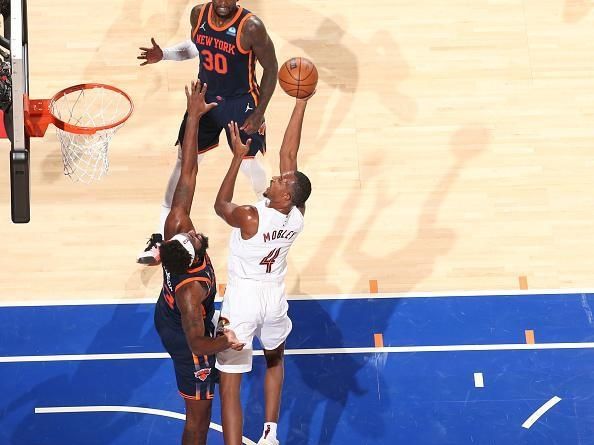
x,y
186,244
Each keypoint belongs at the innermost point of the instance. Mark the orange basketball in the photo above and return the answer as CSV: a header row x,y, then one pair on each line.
x,y
298,77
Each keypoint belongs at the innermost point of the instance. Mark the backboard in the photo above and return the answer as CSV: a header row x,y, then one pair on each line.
x,y
15,30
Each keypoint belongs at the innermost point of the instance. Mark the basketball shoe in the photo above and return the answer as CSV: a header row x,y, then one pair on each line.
x,y
150,256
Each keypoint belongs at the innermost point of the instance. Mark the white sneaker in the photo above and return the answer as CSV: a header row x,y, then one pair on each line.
x,y
150,255
269,441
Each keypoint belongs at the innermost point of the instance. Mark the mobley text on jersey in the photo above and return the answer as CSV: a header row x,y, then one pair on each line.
x,y
278,234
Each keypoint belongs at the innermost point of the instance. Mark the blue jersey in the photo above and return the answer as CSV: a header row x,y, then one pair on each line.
x,y
227,68
167,305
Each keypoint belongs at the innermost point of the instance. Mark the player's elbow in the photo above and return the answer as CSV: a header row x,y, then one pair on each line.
x,y
221,209
218,208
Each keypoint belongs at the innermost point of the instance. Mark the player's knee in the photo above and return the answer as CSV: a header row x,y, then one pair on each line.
x,y
195,433
274,357
197,423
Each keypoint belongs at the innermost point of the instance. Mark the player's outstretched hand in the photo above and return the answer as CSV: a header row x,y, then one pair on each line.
x,y
151,55
236,345
240,150
196,99
305,99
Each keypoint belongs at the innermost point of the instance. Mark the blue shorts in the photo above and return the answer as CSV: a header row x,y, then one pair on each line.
x,y
196,376
229,109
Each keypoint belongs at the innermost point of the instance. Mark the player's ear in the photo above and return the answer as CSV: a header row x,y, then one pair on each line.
x,y
288,196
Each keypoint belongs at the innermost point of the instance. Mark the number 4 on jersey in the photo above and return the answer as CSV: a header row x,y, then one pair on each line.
x,y
269,259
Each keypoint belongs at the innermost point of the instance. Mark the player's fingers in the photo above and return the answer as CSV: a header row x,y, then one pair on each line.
x,y
231,132
144,63
144,49
236,129
153,42
203,89
187,92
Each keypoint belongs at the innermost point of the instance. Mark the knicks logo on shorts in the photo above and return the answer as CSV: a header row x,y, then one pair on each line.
x,y
202,374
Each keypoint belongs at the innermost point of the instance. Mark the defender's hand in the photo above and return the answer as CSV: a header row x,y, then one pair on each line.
x,y
196,99
236,345
240,150
151,55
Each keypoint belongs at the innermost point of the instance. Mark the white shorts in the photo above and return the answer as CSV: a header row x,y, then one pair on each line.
x,y
258,309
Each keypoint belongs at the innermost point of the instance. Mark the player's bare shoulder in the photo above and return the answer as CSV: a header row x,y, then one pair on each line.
x,y
253,31
195,14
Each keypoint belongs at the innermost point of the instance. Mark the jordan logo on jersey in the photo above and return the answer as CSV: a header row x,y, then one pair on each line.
x,y
248,108
203,26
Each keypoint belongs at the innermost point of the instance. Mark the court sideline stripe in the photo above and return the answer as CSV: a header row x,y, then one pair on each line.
x,y
363,296
320,351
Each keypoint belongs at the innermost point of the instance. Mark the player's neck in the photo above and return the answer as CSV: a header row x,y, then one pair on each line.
x,y
280,207
221,22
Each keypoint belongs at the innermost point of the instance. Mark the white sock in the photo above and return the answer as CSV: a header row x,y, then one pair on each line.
x,y
254,170
269,430
170,190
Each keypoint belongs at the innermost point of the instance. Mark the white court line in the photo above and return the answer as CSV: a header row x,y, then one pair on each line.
x,y
540,411
125,409
321,351
152,300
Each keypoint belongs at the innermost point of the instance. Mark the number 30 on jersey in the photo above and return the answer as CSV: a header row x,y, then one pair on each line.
x,y
216,62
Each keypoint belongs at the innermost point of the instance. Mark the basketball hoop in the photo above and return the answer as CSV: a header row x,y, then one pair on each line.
x,y
86,117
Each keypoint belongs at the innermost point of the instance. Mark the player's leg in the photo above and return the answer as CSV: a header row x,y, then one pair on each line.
x,y
273,387
243,309
254,170
231,413
208,138
198,414
238,110
194,375
273,334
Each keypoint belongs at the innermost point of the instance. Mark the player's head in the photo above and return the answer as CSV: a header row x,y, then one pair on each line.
x,y
224,8
289,188
181,251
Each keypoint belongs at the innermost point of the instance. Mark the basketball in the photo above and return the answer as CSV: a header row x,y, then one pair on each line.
x,y
298,77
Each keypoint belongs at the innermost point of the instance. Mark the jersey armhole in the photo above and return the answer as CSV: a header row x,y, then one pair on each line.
x,y
189,280
239,31
200,15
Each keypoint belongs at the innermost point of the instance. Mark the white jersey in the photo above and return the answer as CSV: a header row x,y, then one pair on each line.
x,y
263,257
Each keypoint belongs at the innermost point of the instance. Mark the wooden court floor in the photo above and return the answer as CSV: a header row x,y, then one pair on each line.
x,y
451,147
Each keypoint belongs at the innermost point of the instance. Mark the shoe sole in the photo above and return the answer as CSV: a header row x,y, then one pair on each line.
x,y
148,261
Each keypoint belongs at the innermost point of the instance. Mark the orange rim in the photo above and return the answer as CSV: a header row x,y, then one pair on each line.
x,y
88,130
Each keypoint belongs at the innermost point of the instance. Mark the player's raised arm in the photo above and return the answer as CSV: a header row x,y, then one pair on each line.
x,y
292,138
261,44
186,185
244,217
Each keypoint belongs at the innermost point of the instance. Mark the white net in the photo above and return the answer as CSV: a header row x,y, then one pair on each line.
x,y
85,156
